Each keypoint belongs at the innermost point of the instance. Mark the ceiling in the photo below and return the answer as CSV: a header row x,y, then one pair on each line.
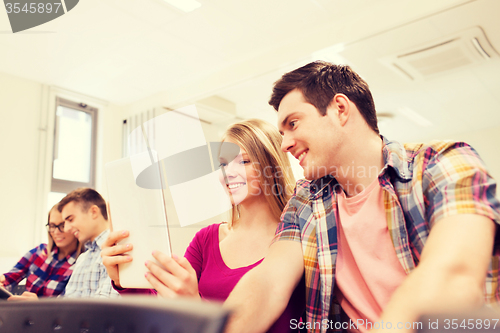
x,y
125,51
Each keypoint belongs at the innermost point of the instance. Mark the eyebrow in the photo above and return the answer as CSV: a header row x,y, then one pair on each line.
x,y
67,217
54,223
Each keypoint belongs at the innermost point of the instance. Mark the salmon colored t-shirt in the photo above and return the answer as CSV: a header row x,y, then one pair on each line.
x,y
367,269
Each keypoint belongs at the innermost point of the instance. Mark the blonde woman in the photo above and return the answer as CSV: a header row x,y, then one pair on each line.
x,y
47,267
259,181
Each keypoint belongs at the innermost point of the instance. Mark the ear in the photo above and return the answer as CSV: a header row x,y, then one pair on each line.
x,y
94,211
342,103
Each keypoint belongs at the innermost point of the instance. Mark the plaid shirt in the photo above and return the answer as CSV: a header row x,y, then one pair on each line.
x,y
422,184
90,278
44,276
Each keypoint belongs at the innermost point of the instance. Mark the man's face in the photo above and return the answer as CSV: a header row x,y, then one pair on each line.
x,y
308,136
79,223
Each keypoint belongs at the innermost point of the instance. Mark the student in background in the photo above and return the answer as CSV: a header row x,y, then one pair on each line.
x,y
259,182
85,215
48,267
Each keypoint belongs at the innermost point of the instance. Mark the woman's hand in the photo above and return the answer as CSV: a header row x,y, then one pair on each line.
x,y
26,296
177,279
113,254
2,280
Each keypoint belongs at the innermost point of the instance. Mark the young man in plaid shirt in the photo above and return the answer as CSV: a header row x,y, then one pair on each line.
x,y
383,232
84,212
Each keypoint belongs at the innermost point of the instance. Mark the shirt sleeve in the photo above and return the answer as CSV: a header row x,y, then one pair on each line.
x,y
455,181
289,227
21,269
194,252
133,291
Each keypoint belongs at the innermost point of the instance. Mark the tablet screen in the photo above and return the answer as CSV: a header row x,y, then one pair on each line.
x,y
139,210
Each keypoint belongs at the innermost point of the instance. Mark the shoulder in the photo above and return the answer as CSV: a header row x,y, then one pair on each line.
x,y
437,148
205,233
301,191
40,250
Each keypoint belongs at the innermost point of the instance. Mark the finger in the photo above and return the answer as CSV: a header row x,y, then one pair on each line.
x,y
162,290
184,263
115,260
21,298
163,276
116,250
170,264
114,237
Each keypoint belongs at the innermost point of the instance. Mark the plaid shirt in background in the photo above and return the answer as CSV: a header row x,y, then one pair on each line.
x,y
422,184
90,278
44,277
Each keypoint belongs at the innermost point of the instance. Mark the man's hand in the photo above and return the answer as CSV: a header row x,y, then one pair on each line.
x,y
113,254
177,279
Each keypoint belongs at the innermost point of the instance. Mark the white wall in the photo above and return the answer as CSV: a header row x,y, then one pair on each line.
x,y
20,105
26,136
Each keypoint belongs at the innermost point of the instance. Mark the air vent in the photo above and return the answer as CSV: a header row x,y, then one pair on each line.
x,y
455,52
213,110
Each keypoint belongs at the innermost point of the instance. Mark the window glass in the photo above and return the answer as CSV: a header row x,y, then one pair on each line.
x,y
73,146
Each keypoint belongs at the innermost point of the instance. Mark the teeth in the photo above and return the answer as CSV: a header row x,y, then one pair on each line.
x,y
233,186
301,156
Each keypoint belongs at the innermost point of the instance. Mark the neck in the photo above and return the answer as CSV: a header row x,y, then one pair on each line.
x,y
102,225
256,215
66,250
361,163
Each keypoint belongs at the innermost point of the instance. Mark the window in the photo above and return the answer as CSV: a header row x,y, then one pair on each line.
x,y
73,163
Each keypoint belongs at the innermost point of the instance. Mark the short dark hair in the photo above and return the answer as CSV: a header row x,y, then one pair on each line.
x,y
320,81
86,197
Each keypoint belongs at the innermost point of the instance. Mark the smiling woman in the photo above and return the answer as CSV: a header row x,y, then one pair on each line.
x,y
258,178
47,267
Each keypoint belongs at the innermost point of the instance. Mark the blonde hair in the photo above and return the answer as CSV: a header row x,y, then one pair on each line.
x,y
51,244
262,142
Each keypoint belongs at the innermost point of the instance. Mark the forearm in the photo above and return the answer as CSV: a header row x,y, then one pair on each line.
x,y
451,274
13,278
255,304
448,291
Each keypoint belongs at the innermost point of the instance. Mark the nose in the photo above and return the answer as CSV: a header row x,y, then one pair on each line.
x,y
287,143
67,227
230,170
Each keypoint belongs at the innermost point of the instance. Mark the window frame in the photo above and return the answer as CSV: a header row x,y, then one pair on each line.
x,y
66,186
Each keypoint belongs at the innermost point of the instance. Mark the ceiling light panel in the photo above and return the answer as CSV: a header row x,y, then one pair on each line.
x,y
184,5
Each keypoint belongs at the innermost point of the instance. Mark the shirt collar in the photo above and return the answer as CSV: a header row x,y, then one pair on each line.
x,y
70,258
394,155
97,242
317,186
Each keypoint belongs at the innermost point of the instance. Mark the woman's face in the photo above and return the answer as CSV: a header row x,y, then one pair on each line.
x,y
61,239
239,176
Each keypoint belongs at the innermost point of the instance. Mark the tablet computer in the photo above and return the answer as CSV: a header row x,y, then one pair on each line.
x,y
140,210
4,293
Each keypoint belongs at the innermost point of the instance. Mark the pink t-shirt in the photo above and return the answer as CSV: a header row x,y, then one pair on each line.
x,y
367,270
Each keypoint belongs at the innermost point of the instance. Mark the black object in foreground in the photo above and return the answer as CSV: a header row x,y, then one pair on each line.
x,y
127,314
4,294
